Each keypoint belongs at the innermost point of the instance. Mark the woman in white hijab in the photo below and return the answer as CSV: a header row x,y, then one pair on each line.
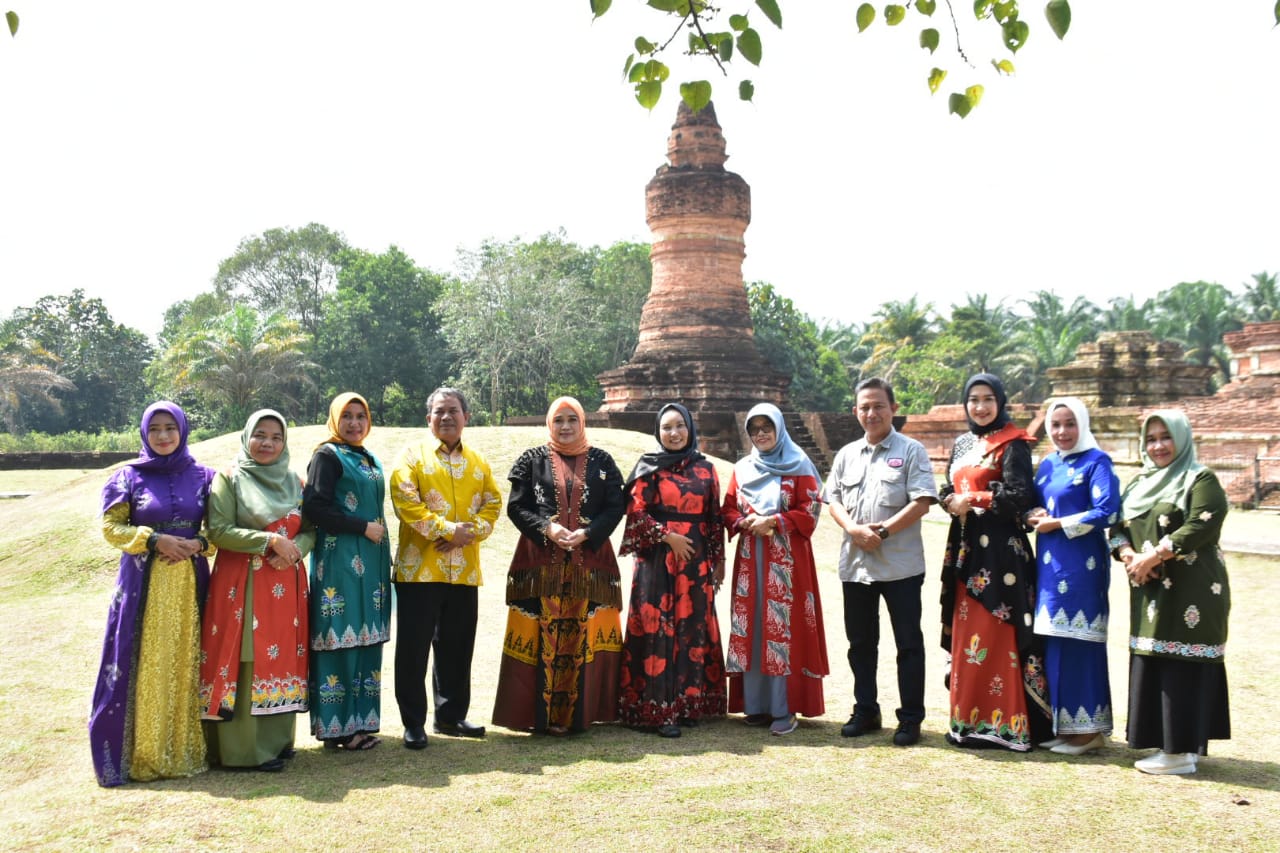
x,y
1079,497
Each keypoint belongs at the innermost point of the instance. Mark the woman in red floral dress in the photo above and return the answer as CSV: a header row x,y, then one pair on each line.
x,y
672,665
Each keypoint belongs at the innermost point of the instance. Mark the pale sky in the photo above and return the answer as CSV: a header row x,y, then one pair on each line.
x,y
141,141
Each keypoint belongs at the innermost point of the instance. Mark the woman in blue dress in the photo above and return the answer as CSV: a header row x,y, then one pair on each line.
x,y
1079,496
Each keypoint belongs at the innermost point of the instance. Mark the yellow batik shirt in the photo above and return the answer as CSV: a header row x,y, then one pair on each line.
x,y
434,490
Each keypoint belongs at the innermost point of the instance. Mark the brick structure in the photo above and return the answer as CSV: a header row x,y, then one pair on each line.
x,y
1128,369
696,342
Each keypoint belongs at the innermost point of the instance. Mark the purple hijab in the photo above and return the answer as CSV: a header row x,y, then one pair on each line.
x,y
167,494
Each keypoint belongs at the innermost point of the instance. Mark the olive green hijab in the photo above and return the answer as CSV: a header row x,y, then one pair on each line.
x,y
1171,483
264,493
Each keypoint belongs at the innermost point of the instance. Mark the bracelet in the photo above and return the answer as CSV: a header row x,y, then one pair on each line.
x,y
204,543
152,541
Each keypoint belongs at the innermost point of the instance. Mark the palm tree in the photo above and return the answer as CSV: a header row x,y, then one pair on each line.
x,y
242,360
991,332
1261,299
897,325
1123,314
1049,336
1197,315
26,373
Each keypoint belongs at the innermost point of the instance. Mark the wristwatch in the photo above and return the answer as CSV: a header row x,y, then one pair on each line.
x,y
882,531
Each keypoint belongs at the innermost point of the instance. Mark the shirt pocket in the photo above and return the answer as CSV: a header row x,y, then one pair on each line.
x,y
892,485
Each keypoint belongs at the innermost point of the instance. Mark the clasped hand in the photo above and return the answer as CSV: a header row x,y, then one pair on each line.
x,y
563,537
174,549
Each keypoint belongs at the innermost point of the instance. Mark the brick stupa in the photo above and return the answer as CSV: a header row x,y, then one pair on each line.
x,y
696,341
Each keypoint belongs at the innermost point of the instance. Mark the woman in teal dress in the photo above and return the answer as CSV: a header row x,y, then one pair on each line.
x,y
350,580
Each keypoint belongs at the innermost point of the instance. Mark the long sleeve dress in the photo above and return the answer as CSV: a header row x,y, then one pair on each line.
x,y
997,684
253,681
672,664
1072,611
144,723
1178,624
563,643
350,591
775,622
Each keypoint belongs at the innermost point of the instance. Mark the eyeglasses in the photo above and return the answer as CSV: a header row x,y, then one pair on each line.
x,y
756,430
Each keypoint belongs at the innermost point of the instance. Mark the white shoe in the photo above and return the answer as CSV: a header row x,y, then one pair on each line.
x,y
1096,742
1164,764
1050,744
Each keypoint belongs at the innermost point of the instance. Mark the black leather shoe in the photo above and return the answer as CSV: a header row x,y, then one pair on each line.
x,y
415,738
275,765
669,730
459,729
907,734
861,723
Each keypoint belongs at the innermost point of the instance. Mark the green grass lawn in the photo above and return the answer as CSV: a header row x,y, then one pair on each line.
x,y
720,786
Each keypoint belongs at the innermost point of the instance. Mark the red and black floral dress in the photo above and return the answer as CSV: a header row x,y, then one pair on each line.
x,y
673,665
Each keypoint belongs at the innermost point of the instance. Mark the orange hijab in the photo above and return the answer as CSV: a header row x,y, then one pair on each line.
x,y
339,403
579,447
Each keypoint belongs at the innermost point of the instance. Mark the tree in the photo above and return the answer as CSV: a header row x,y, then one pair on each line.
x,y
284,270
26,374
990,333
1261,298
1049,336
788,340
103,359
381,331
1197,315
714,43
897,325
241,362
1123,314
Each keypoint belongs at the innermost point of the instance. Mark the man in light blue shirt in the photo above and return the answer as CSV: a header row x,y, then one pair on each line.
x,y
879,488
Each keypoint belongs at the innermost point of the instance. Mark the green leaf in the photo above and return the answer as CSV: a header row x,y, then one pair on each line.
x,y
636,72
974,94
14,26
738,23
664,6
12,18
936,76
1015,34
866,14
959,104
771,11
648,93
894,14
1006,11
644,46
929,39
599,7
1059,14
626,69
696,94
749,46
926,7
982,8
746,90
1004,66
724,47
655,70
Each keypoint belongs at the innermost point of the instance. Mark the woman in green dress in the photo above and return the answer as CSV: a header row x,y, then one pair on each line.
x,y
1179,599
350,580
253,670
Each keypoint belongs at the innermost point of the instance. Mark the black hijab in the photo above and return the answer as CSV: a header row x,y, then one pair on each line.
x,y
1002,399
663,459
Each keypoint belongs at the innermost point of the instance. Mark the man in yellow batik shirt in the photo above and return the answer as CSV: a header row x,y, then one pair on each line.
x,y
447,502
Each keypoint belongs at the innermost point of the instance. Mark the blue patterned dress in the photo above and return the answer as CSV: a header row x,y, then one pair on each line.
x,y
1072,612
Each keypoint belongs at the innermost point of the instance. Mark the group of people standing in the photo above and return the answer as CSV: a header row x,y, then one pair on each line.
x,y
205,665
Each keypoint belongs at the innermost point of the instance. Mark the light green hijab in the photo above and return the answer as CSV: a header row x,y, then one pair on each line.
x,y
264,493
1171,483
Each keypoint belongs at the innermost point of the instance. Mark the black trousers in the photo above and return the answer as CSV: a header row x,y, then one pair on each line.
x,y
439,617
1177,705
862,627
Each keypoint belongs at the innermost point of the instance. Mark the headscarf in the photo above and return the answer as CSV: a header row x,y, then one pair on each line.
x,y
339,403
581,445
759,474
1171,483
1084,437
180,458
1002,399
663,459
264,493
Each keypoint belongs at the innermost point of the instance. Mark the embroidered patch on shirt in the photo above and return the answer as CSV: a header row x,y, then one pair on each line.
x,y
896,462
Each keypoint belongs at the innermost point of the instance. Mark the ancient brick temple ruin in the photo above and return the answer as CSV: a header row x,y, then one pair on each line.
x,y
696,344
696,341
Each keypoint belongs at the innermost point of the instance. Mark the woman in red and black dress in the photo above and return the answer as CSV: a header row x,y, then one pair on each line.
x,y
672,663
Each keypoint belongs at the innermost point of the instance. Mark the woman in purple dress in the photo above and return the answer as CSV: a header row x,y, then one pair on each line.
x,y
145,720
